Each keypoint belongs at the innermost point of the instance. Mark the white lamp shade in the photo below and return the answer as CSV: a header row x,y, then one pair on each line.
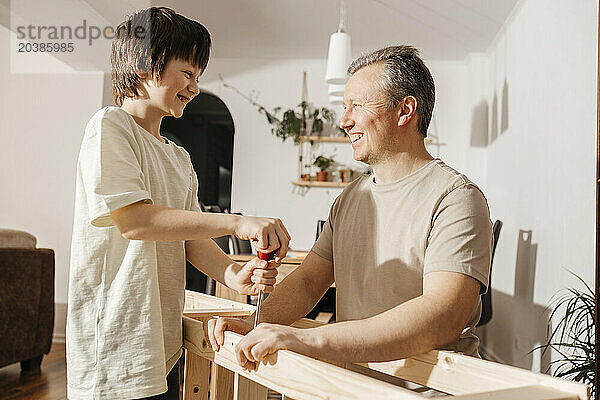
x,y
335,100
338,58
336,90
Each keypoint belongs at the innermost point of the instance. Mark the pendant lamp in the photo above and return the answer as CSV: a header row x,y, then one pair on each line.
x,y
335,100
339,55
335,90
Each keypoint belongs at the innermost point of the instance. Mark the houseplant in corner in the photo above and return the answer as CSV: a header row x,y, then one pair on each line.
x,y
323,163
574,336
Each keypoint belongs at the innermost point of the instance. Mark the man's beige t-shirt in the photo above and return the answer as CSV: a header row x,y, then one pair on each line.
x,y
126,297
383,239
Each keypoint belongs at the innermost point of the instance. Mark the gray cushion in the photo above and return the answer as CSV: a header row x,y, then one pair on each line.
x,y
10,238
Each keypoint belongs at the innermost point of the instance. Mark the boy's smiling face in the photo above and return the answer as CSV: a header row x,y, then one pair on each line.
x,y
177,85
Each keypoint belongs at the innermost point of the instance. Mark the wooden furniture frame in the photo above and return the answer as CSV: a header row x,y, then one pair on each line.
x,y
300,377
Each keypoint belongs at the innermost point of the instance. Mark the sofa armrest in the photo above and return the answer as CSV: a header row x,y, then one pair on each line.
x,y
26,303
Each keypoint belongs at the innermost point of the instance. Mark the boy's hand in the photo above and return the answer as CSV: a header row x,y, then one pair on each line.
x,y
254,276
267,234
214,329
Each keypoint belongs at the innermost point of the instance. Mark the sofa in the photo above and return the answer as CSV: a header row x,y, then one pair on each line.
x,y
26,300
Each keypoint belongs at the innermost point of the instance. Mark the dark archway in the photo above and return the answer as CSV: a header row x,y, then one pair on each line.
x,y
206,131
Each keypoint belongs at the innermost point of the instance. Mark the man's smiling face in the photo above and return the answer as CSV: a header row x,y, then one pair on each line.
x,y
367,120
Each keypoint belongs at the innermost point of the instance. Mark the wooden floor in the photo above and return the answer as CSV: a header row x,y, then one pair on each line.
x,y
49,384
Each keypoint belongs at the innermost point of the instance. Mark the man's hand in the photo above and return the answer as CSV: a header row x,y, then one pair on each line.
x,y
254,276
258,344
265,340
267,234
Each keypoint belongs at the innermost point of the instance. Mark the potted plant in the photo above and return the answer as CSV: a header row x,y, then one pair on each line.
x,y
303,120
574,337
323,163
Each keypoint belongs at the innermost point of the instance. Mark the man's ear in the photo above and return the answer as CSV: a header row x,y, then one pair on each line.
x,y
407,110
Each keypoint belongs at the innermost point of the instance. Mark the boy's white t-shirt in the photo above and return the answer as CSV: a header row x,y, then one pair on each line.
x,y
126,297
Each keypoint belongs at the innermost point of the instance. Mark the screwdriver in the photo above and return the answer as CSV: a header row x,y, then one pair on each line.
x,y
266,257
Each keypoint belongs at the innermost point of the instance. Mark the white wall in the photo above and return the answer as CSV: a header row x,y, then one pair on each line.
x,y
42,119
536,86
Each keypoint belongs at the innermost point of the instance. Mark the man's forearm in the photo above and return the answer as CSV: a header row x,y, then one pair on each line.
x,y
298,293
411,328
291,300
151,222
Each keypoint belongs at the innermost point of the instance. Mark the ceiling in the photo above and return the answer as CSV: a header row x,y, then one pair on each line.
x,y
442,29
281,29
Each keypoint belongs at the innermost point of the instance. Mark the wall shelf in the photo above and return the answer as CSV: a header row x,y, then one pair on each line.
x,y
320,184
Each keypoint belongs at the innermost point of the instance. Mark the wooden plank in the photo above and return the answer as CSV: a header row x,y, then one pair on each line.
x,y
527,392
201,301
221,383
295,375
195,381
459,374
245,389
207,313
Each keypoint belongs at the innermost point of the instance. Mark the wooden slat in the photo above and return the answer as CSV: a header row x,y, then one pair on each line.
x,y
296,375
197,301
458,374
216,311
527,392
245,389
197,370
221,383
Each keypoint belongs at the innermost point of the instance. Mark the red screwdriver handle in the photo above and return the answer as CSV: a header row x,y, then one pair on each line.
x,y
265,256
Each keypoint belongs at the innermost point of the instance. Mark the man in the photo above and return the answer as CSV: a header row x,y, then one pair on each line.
x,y
407,247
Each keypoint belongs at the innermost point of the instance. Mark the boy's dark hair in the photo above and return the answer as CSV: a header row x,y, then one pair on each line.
x,y
147,41
404,74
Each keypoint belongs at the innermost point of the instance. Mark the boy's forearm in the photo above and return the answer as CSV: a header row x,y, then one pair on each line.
x,y
207,257
142,221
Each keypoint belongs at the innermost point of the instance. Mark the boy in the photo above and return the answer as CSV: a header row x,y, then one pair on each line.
x,y
137,219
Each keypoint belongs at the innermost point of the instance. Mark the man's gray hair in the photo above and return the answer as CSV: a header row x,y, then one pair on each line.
x,y
405,74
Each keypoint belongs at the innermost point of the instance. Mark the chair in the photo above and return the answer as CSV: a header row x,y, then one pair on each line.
x,y
26,300
320,225
486,298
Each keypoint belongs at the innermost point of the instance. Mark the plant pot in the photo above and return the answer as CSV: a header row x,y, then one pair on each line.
x,y
321,176
345,175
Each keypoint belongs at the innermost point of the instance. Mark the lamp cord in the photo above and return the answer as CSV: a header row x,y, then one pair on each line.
x,y
342,15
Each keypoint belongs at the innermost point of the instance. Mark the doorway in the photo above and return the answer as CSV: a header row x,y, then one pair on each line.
x,y
206,131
